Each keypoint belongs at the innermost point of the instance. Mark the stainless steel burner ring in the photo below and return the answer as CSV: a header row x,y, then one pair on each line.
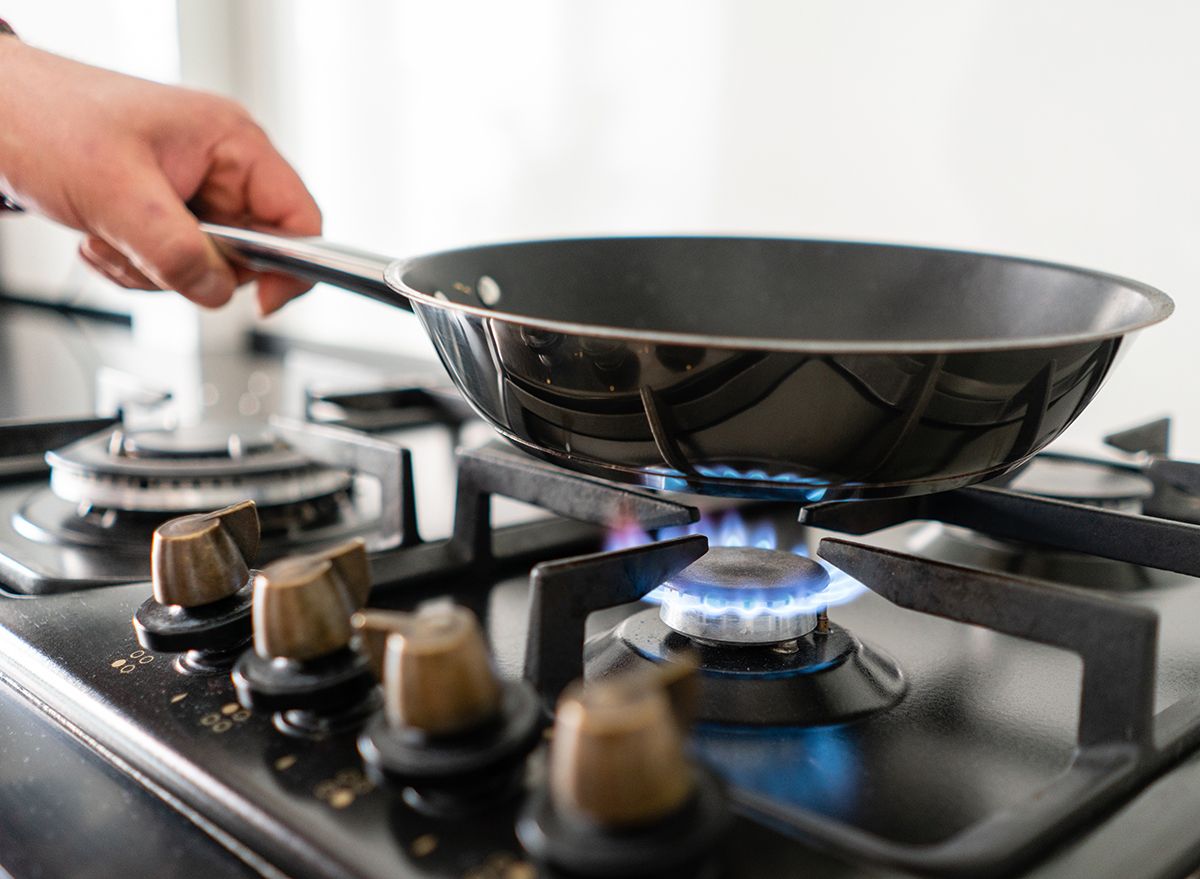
x,y
744,595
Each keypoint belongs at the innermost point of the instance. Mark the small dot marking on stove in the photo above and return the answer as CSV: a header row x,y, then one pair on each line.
x,y
423,845
342,798
497,861
341,790
127,664
502,865
285,762
223,720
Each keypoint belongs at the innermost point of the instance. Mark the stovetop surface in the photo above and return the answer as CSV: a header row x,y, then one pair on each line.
x,y
986,723
915,774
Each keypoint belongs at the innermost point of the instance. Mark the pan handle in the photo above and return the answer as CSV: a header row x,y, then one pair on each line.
x,y
313,259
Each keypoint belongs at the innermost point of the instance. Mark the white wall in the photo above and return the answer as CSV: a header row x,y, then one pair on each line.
x,y
1063,130
137,37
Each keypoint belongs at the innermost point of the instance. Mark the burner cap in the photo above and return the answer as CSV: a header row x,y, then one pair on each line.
x,y
1084,482
188,469
202,441
745,596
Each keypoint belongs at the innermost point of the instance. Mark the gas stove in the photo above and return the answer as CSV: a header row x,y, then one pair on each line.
x,y
999,680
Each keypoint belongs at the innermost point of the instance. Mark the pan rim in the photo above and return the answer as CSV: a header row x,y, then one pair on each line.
x,y
1161,306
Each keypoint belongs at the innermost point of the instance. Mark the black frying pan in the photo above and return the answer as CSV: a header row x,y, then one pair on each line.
x,y
766,368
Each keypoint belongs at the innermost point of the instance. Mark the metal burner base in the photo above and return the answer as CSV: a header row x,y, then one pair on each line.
x,y
961,546
817,680
46,547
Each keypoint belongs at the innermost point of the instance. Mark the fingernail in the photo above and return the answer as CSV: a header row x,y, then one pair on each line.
x,y
210,291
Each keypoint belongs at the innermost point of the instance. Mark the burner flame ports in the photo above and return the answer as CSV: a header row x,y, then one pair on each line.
x,y
744,596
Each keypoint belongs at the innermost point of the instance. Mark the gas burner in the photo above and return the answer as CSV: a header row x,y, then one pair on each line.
x,y
825,677
963,546
313,485
188,470
1084,482
755,622
1079,481
744,596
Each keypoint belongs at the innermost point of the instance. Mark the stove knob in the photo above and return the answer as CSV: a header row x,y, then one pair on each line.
x,y
451,732
434,664
303,604
200,567
622,798
196,560
372,625
302,665
437,675
617,757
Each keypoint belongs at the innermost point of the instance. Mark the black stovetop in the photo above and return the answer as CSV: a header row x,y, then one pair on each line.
x,y
987,730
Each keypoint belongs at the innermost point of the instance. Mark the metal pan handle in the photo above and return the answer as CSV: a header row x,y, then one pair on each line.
x,y
313,259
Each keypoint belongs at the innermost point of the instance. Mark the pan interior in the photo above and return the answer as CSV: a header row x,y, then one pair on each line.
x,y
798,291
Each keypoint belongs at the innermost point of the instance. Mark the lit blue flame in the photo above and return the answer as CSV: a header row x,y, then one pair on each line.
x,y
731,529
673,480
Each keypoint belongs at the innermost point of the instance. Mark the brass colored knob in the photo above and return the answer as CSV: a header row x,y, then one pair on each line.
x,y
302,604
437,676
617,756
373,625
196,560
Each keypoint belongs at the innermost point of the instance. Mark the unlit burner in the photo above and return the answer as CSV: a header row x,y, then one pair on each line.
x,y
187,469
743,595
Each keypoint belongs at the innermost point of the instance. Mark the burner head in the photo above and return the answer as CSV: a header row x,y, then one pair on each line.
x,y
743,595
1084,482
188,469
202,441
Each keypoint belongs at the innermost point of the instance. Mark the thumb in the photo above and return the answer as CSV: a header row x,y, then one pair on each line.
x,y
147,221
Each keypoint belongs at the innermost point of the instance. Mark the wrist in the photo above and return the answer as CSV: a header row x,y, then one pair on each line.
x,y
6,203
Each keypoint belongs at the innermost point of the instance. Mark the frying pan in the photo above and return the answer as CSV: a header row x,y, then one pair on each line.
x,y
749,367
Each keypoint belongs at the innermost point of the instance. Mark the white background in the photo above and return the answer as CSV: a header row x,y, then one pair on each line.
x,y
1068,131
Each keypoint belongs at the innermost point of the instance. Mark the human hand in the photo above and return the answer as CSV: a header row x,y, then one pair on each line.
x,y
133,163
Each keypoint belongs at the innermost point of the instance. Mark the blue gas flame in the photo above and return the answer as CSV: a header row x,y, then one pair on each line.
x,y
673,480
730,529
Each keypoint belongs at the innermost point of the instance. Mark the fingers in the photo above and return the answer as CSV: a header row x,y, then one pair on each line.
x,y
149,235
276,291
122,159
113,264
250,184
